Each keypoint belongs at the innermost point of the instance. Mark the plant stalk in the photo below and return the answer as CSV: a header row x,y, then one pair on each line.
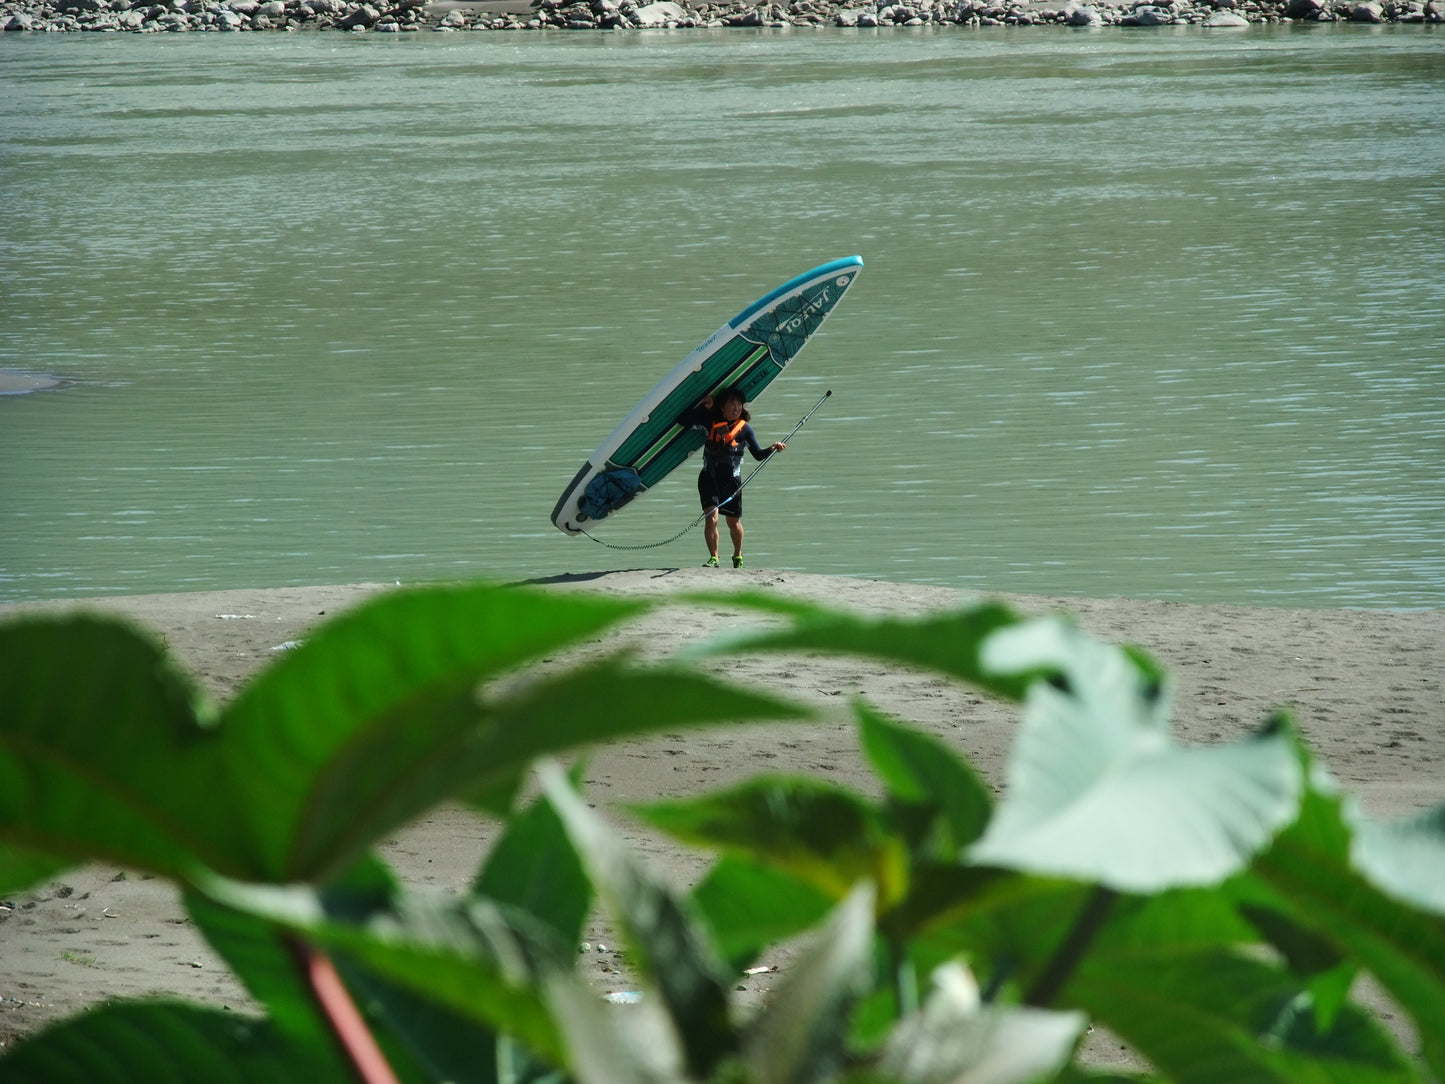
x,y
1059,969
357,1042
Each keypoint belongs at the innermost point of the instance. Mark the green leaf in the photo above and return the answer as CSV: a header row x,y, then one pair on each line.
x,y
1402,946
1215,1015
921,770
374,718
600,702
534,868
1098,791
103,749
948,643
161,1042
22,868
749,906
826,835
667,939
800,1037
955,1039
475,959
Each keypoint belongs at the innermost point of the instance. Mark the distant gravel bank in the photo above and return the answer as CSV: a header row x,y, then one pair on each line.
x,y
401,16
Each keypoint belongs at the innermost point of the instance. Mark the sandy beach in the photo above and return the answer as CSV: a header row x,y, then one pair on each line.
x,y
1365,687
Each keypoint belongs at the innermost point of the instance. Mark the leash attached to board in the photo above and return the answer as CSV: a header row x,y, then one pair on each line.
x,y
668,541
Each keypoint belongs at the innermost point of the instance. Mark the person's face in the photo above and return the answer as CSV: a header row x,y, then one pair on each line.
x,y
732,410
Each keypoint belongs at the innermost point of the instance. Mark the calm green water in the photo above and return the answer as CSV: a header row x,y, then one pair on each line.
x,y
1151,313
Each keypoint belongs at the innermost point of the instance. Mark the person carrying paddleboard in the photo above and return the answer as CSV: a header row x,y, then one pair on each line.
x,y
720,482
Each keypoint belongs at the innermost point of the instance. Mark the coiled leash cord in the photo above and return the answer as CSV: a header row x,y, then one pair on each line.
x,y
703,516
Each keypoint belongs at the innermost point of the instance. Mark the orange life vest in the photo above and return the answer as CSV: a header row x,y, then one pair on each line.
x,y
725,433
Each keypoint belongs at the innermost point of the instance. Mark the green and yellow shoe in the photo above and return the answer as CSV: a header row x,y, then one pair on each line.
x,y
711,562
738,561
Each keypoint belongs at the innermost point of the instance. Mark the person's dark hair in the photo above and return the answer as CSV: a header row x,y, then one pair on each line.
x,y
727,395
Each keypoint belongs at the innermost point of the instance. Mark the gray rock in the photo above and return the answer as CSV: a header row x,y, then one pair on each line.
x,y
659,14
1149,16
19,21
1223,20
1368,12
1076,15
362,16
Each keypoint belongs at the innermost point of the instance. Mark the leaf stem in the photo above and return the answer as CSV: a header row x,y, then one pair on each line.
x,y
1059,969
905,979
342,1014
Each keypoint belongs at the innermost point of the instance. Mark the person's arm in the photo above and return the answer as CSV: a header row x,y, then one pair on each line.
x,y
699,416
751,439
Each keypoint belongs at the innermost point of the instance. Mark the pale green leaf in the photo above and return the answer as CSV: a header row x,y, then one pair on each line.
x,y
1404,857
801,1032
668,940
954,1039
617,1044
1097,790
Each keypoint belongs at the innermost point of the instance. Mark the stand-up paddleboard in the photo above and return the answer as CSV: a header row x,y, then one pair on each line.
x,y
748,351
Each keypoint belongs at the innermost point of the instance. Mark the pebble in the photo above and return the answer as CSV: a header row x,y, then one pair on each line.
x,y
393,16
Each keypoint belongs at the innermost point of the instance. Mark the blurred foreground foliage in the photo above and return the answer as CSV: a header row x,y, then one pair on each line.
x,y
1212,906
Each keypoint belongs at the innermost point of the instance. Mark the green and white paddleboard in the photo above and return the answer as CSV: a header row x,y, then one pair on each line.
x,y
749,351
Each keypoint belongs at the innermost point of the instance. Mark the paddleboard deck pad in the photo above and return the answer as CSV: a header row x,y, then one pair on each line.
x,y
748,351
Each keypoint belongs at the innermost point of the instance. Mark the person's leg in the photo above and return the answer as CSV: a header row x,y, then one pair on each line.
x,y
709,534
735,528
709,505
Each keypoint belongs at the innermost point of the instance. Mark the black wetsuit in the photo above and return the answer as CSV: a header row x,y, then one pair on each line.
x,y
722,460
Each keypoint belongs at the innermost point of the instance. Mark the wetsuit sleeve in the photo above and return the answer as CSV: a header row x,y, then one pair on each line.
x,y
751,440
695,417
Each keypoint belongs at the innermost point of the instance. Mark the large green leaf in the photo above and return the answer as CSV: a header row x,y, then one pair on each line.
x,y
668,940
826,835
162,1042
20,868
749,906
104,748
1097,789
948,643
921,771
534,868
1401,945
375,718
600,702
107,752
1215,1015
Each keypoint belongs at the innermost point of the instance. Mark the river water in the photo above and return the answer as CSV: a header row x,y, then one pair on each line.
x,y
1154,313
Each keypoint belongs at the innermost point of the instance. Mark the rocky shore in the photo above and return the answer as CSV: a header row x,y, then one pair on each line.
x,y
401,16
